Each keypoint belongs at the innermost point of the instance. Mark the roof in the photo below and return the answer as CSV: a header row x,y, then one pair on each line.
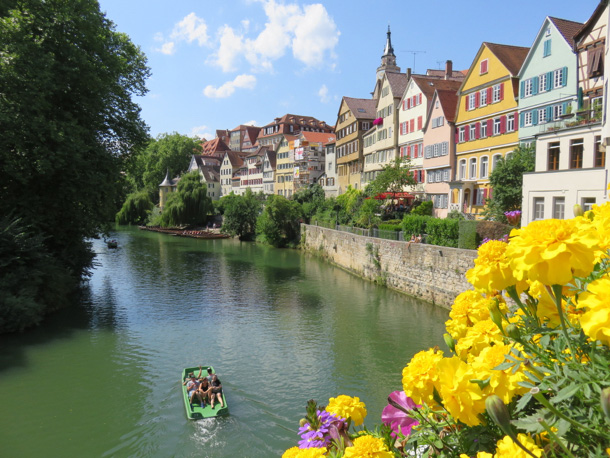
x,y
298,120
448,100
441,73
318,137
429,84
214,146
272,156
567,29
210,174
511,57
398,83
362,108
236,158
603,4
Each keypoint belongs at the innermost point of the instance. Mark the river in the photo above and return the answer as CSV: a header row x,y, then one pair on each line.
x,y
280,327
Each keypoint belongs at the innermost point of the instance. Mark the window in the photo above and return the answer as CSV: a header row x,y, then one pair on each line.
x,y
547,48
587,203
473,132
557,112
559,205
483,97
510,123
527,118
595,62
527,87
558,79
472,101
497,126
484,66
461,135
495,160
473,168
576,152
483,129
538,208
484,167
541,115
462,169
497,93
542,83
480,196
553,163
600,156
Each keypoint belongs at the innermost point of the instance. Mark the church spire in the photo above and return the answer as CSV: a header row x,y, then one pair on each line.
x,y
388,51
388,59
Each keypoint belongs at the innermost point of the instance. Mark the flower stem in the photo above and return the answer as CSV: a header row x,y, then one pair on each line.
x,y
545,402
555,292
556,439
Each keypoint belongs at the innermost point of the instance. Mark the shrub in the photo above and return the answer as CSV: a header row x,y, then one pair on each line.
x,y
390,227
425,208
468,237
492,230
415,225
443,232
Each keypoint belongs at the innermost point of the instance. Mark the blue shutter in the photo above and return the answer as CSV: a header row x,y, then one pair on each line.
x,y
549,113
564,75
565,107
549,81
522,88
535,85
535,117
521,120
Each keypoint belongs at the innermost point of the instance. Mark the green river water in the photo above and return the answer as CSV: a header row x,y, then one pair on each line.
x,y
102,379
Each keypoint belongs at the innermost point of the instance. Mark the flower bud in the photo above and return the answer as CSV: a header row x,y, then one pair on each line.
x,y
578,211
495,314
498,412
512,331
449,342
302,422
605,401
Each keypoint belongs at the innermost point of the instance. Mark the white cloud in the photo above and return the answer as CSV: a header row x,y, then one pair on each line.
x,y
201,132
308,31
191,28
227,89
167,48
323,93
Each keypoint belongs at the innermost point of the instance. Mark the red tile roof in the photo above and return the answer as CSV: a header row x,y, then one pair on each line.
x,y
362,108
318,137
429,84
448,100
567,28
511,57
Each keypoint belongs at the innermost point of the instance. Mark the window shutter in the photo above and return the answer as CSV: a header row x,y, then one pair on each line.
x,y
535,87
501,91
490,192
419,95
564,75
403,105
477,99
409,151
549,113
489,95
408,103
522,89
477,130
412,125
467,102
503,124
490,127
549,81
521,119
565,107
415,151
467,133
484,194
516,117
423,175
419,123
457,136
474,196
535,117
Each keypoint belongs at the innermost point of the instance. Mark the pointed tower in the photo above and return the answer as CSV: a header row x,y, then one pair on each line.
x,y
164,189
388,59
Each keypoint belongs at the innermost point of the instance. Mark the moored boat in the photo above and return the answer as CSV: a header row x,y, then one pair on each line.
x,y
195,411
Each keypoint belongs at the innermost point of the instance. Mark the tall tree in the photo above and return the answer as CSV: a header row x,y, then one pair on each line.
x,y
395,177
189,205
279,224
506,181
67,117
240,214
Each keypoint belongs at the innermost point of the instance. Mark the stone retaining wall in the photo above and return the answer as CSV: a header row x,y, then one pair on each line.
x,y
432,273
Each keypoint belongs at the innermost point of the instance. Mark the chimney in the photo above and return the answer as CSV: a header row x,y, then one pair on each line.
x,y
448,69
408,73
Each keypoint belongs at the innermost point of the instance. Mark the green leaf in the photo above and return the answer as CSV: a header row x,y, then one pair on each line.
x,y
565,393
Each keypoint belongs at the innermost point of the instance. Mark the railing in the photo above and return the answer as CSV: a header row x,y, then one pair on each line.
x,y
376,233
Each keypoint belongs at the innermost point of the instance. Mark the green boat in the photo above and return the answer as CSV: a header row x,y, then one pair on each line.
x,y
195,411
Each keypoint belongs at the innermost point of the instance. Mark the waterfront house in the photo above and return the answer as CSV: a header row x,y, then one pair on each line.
x,y
439,149
309,158
486,123
254,167
571,166
208,168
232,161
215,148
273,133
328,180
284,168
355,117
269,165
243,138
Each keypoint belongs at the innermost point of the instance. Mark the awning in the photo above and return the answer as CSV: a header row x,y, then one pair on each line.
x,y
394,195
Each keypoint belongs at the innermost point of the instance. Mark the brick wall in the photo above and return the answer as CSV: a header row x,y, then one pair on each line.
x,y
431,273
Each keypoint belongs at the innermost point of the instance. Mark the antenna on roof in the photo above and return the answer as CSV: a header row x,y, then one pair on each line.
x,y
439,62
414,53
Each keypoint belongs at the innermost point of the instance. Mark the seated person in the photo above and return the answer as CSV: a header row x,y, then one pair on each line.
x,y
205,390
192,388
216,391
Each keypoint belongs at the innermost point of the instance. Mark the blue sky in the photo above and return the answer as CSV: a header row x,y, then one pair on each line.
x,y
218,64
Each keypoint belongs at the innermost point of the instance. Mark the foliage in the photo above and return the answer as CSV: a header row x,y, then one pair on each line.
x,y
136,208
311,200
415,225
456,214
525,377
328,212
506,180
492,230
367,215
240,214
279,223
443,232
425,208
68,118
390,227
394,178
348,203
189,205
32,281
468,237
168,153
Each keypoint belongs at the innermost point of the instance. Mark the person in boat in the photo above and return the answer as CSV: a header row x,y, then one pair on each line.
x,y
205,390
192,387
216,391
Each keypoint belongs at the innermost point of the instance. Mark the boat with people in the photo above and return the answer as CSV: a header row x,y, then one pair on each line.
x,y
112,243
197,410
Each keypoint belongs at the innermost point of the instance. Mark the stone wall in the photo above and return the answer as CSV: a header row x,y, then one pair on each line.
x,y
432,273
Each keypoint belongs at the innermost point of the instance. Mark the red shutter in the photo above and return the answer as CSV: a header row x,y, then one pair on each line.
x,y
490,192
423,176
489,95
516,122
503,124
403,105
414,100
409,103
477,99
457,136
416,150
467,133
412,125
466,104
484,194
409,151
474,196
419,123
490,127
415,175
419,95
501,91
477,130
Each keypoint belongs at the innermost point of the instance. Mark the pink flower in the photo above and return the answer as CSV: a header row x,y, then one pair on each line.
x,y
396,413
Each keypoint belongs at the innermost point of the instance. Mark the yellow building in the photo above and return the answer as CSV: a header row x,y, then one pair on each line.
x,y
486,123
284,168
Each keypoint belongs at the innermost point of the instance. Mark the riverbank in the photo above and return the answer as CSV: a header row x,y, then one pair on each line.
x,y
432,273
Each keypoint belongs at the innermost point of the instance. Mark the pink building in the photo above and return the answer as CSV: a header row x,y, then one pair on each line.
x,y
439,149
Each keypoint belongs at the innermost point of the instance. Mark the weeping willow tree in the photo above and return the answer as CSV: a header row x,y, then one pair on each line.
x,y
136,208
189,205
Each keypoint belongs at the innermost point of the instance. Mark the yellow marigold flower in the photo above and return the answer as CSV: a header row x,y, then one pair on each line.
x,y
368,447
312,452
506,448
599,217
468,308
420,376
503,383
348,408
492,270
552,251
595,320
480,336
479,455
462,398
